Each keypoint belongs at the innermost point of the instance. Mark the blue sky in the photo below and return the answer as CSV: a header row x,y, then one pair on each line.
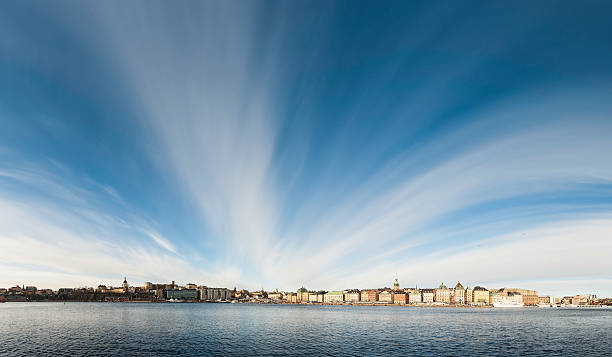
x,y
325,144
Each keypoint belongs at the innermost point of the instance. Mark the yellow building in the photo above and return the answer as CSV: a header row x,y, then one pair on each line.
x,y
480,296
385,296
442,294
302,295
334,297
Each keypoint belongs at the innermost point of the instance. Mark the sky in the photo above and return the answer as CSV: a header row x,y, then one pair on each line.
x,y
325,144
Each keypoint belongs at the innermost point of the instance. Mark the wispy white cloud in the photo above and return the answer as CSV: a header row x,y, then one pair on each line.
x,y
162,242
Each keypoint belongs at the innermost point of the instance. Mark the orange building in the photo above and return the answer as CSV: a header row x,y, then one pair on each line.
x,y
400,297
369,295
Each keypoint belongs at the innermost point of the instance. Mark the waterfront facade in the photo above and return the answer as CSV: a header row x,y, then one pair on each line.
x,y
183,294
414,297
163,292
302,295
369,295
352,296
480,296
400,297
334,297
442,294
459,294
385,296
427,295
214,294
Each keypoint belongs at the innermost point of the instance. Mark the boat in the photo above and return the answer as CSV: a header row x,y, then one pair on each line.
x,y
505,303
544,305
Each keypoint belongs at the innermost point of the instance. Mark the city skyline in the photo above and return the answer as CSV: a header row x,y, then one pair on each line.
x,y
326,145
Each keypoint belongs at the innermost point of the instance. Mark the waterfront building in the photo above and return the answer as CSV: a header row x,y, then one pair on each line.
x,y
352,295
259,295
546,300
515,298
321,296
530,297
275,295
302,295
414,297
214,294
469,295
400,297
291,297
495,297
584,299
313,297
459,294
480,296
334,297
442,294
369,295
184,294
427,295
385,296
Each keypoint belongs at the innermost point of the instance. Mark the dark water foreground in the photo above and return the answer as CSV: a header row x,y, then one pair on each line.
x,y
102,329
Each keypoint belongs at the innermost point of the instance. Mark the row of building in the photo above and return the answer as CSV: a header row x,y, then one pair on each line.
x,y
457,295
442,295
125,292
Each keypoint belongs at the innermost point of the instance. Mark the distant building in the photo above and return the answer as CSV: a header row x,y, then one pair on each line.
x,y
480,296
334,297
530,297
515,298
427,295
313,298
469,295
442,294
414,297
369,295
302,295
385,296
396,285
584,299
275,295
214,294
184,294
352,295
546,300
495,297
400,297
321,296
125,285
459,294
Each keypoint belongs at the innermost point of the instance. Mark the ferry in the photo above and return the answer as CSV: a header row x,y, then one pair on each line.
x,y
508,304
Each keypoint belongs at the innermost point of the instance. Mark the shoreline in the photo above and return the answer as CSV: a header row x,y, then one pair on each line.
x,y
316,304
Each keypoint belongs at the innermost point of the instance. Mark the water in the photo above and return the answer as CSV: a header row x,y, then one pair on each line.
x,y
102,329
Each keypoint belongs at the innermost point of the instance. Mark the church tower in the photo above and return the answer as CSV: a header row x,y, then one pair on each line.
x,y
396,286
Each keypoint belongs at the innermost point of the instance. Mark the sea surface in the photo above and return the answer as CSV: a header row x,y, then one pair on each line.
x,y
144,329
